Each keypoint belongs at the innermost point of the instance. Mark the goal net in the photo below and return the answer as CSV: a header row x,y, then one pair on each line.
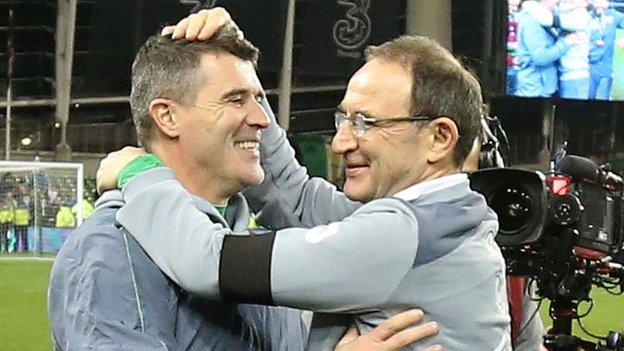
x,y
40,204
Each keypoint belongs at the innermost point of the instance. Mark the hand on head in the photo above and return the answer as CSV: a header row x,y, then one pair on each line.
x,y
201,25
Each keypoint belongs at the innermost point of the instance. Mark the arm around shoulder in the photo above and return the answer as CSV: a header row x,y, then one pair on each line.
x,y
349,266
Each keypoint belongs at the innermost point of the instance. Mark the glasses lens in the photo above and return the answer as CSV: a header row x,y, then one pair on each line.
x,y
339,117
359,125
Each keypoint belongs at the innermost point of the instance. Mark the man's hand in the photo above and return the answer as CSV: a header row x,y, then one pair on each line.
x,y
572,38
201,25
112,164
393,334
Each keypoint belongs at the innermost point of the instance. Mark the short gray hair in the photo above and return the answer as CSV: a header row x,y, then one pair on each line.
x,y
166,68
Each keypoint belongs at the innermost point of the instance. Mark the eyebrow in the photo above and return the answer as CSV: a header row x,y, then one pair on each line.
x,y
239,91
362,112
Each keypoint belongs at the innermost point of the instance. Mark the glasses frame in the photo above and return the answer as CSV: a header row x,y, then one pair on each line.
x,y
361,123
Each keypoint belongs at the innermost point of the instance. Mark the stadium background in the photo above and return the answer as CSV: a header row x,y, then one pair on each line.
x,y
107,33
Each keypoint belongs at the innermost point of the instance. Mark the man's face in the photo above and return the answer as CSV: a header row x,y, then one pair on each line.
x,y
220,131
572,4
601,5
388,157
513,5
550,4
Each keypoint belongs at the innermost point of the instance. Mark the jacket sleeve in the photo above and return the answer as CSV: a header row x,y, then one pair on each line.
x,y
347,266
618,17
595,51
288,196
537,43
180,239
352,266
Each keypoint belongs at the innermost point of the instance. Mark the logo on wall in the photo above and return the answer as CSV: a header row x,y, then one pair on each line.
x,y
352,31
199,4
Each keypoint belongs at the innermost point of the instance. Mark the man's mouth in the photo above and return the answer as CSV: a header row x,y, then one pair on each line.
x,y
356,165
247,145
353,168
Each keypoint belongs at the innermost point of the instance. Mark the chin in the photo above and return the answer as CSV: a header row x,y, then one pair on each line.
x,y
356,195
255,178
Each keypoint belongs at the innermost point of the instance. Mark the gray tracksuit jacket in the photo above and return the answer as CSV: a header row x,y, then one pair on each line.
x,y
429,246
106,294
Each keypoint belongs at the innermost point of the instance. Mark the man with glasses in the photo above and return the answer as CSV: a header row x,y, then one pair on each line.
x,y
196,108
423,238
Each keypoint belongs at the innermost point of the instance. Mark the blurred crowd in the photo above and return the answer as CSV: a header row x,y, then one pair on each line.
x,y
562,48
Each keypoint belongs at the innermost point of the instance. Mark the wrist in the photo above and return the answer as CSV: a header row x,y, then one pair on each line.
x,y
138,165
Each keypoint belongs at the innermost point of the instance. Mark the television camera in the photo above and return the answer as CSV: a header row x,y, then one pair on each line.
x,y
565,231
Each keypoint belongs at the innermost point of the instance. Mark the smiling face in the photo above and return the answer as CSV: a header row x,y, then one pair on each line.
x,y
600,6
387,158
219,133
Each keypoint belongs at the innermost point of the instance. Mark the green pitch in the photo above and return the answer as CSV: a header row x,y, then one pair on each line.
x,y
24,322
607,314
23,288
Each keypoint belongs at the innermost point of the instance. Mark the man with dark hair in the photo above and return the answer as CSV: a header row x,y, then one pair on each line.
x,y
423,238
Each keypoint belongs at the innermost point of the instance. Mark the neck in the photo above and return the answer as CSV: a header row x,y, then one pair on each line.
x,y
438,173
430,173
192,177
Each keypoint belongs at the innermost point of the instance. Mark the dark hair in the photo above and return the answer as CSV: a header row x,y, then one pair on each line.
x,y
441,85
168,68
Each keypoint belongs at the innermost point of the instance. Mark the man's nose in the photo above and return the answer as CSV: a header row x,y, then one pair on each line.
x,y
257,116
344,140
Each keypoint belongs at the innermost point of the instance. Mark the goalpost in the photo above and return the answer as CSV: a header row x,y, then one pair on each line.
x,y
40,204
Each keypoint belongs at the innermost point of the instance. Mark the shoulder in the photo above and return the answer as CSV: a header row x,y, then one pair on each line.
x,y
95,232
97,243
386,205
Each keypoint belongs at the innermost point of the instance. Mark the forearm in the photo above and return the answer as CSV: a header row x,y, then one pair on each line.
x,y
180,239
349,266
288,196
543,55
350,258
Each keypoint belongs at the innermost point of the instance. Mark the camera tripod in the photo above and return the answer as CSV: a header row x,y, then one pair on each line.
x,y
560,338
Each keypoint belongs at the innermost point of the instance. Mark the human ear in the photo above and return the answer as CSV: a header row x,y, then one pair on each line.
x,y
162,113
445,136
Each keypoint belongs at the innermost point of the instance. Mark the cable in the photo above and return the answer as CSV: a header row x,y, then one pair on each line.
x,y
587,332
591,307
532,316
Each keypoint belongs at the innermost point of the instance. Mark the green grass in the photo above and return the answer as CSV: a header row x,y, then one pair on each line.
x,y
24,321
607,314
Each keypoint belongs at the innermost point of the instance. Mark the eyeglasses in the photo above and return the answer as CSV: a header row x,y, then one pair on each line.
x,y
360,124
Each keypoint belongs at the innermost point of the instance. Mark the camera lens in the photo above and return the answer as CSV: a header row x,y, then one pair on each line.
x,y
513,207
